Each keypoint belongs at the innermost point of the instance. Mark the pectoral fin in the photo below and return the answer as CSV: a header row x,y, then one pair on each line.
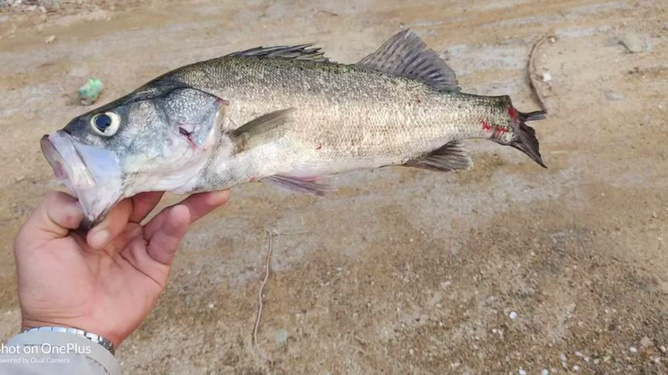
x,y
261,129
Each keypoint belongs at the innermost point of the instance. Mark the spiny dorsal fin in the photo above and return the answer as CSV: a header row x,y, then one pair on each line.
x,y
445,159
405,55
300,52
253,132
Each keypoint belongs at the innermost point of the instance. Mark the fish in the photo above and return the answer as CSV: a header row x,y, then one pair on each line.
x,y
282,115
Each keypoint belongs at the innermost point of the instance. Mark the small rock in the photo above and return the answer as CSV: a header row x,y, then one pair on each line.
x,y
513,315
611,95
635,43
547,77
579,354
211,305
645,342
411,351
281,336
576,368
544,372
522,372
596,361
50,39
633,349
663,349
563,358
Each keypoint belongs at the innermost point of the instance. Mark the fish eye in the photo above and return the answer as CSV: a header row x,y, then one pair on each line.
x,y
105,124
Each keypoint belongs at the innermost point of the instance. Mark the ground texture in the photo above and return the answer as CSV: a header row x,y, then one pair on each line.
x,y
502,269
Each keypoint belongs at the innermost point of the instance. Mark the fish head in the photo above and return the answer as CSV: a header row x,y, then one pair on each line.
x,y
150,140
508,127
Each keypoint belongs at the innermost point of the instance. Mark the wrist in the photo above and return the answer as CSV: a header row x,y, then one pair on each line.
x,y
33,323
100,340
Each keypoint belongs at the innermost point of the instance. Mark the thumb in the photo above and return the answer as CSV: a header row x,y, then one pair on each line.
x,y
54,218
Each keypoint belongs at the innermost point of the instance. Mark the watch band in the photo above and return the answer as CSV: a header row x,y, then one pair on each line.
x,y
74,331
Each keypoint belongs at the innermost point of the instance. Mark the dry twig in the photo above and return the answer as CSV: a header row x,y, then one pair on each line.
x,y
256,328
531,69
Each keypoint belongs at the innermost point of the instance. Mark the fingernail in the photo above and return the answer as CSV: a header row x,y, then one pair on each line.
x,y
99,238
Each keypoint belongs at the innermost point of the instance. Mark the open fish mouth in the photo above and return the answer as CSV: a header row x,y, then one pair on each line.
x,y
91,174
66,162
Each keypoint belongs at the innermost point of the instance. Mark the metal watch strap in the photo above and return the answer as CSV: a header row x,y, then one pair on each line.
x,y
74,331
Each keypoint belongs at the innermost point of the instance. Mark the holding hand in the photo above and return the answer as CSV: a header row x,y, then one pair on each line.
x,y
108,282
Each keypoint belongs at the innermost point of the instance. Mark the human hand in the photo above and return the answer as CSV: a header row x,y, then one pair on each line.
x,y
108,282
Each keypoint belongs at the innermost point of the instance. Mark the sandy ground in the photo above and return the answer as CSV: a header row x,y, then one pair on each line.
x,y
400,271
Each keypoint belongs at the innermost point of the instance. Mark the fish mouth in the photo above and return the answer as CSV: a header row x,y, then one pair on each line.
x,y
91,174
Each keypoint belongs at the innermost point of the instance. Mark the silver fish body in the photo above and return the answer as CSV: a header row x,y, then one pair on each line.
x,y
283,115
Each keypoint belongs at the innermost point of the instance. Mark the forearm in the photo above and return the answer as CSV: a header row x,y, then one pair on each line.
x,y
55,353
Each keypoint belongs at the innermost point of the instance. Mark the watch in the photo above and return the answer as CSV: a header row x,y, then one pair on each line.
x,y
74,331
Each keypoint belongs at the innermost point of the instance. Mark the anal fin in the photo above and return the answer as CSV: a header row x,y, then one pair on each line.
x,y
297,184
447,158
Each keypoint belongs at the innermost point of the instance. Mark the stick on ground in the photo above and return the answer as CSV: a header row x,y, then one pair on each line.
x,y
531,69
256,328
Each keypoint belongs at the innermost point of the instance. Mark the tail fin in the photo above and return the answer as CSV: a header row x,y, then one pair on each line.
x,y
525,139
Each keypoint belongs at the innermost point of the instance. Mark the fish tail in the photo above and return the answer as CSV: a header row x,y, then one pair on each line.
x,y
525,136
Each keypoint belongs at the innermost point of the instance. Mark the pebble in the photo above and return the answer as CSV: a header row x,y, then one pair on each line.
x,y
633,349
611,95
635,43
522,372
579,354
211,305
281,336
50,39
513,315
547,77
645,342
663,349
576,368
563,358
544,372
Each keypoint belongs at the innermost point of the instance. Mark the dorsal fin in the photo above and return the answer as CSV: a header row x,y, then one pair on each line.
x,y
405,55
300,52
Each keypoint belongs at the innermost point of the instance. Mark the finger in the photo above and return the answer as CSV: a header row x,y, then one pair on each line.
x,y
166,240
198,205
112,225
143,204
201,204
53,218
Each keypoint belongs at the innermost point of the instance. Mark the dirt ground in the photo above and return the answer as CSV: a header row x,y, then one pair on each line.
x,y
507,268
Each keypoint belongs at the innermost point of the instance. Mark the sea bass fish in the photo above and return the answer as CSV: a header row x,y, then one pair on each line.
x,y
283,115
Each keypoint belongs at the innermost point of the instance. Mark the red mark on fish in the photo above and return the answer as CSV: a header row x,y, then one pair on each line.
x,y
486,126
499,130
512,113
